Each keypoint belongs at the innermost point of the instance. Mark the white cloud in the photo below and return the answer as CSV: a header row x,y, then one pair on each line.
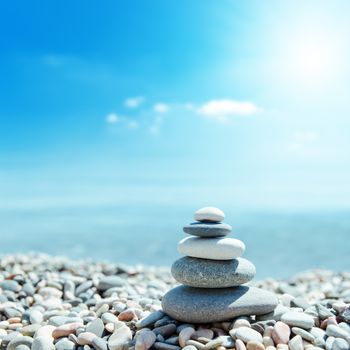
x,y
224,108
161,108
112,118
123,121
134,102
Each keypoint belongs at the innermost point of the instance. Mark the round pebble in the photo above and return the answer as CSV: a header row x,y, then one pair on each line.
x,y
119,338
298,319
210,214
296,343
246,334
280,333
43,343
64,344
185,335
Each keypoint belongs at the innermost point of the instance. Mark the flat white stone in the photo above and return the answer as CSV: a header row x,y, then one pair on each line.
x,y
217,248
209,214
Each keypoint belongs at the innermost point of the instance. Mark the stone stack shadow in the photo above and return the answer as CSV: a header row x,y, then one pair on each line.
x,y
212,274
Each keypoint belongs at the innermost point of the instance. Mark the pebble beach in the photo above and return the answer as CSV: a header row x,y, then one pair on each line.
x,y
51,302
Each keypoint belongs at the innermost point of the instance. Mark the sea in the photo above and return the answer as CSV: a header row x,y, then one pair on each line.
x,y
279,243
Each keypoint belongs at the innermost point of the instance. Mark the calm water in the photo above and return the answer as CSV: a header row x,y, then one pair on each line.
x,y
279,244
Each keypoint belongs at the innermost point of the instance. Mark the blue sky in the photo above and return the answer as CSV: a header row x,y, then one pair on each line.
x,y
166,102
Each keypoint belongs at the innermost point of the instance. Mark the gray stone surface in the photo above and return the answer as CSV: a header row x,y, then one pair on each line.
x,y
205,273
20,341
304,334
99,344
96,327
207,229
200,305
65,344
340,344
42,343
298,319
337,332
246,334
110,282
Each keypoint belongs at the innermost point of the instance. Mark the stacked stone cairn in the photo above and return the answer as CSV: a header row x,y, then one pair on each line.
x,y
213,274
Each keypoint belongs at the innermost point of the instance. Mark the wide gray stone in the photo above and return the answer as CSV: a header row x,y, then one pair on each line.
x,y
205,273
208,229
198,305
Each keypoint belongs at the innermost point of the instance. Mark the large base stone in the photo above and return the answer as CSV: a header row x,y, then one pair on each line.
x,y
198,305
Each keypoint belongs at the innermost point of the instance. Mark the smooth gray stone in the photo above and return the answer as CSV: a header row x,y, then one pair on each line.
x,y
28,288
107,282
25,340
22,347
275,315
340,344
337,332
35,316
99,344
84,287
298,319
10,285
65,344
323,312
300,302
9,337
96,327
304,334
30,329
42,343
12,312
198,305
207,229
150,319
246,334
205,273
108,317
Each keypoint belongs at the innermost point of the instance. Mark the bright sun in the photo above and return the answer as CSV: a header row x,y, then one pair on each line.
x,y
310,56
312,59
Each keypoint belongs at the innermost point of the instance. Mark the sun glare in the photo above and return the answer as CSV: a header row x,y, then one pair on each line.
x,y
312,59
311,56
